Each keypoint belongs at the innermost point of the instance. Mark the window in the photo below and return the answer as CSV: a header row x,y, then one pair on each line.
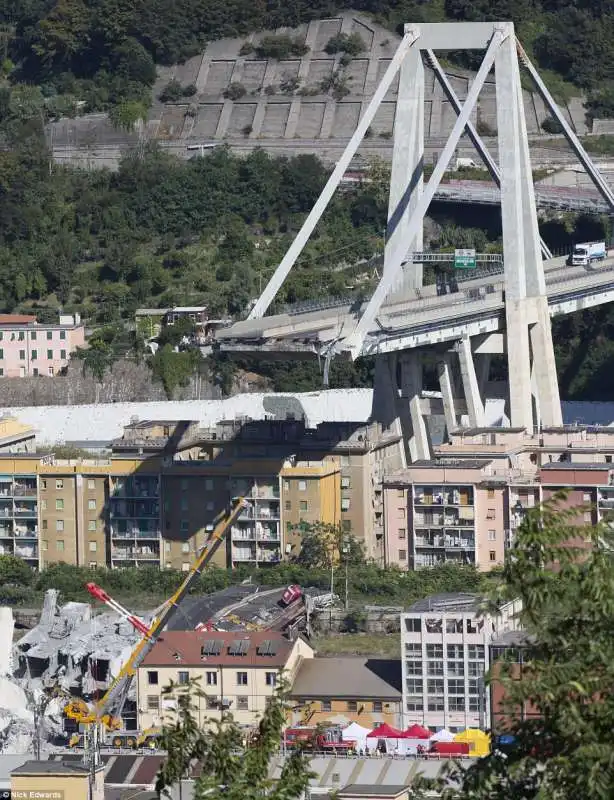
x,y
91,483
34,355
474,704
435,667
211,678
185,547
62,334
45,524
476,668
211,703
91,505
59,545
401,512
185,566
303,505
35,372
454,626
242,703
402,533
93,547
49,336
413,649
475,651
587,497
456,668
153,702
63,355
456,686
377,707
241,678
21,336
49,355
492,555
43,504
436,704
184,503
345,503
588,516
288,505
1,352
490,494
302,486
474,686
434,686
413,667
434,651
59,504
50,372
271,678
59,525
152,678
490,514
208,485
492,536
326,705
59,484
22,355
413,624
414,685
352,705
167,547
414,704
345,483
44,544
286,486
91,525
456,703
32,336
183,526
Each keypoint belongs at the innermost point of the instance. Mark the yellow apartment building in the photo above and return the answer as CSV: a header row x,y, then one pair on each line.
x,y
235,671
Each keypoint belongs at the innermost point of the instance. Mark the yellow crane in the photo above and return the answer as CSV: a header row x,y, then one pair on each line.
x,y
106,712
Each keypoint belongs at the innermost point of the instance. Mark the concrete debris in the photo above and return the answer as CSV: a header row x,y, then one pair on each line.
x,y
70,651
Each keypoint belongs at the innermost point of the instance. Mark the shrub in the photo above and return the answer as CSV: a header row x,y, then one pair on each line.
x,y
552,125
351,44
246,49
189,90
235,91
172,92
280,47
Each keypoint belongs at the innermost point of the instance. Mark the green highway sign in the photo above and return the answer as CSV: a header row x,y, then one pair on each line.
x,y
464,259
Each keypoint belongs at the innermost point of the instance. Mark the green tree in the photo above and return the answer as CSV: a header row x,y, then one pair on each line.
x,y
230,771
323,545
174,369
128,114
564,576
15,571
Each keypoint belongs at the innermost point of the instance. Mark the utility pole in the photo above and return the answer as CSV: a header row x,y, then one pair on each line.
x,y
346,554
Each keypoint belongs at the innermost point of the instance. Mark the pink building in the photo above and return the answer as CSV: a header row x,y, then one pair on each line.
x,y
441,511
29,348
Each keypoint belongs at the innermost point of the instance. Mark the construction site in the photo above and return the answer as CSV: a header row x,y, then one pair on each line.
x,y
69,680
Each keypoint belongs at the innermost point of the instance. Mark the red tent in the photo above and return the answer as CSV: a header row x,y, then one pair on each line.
x,y
385,731
417,732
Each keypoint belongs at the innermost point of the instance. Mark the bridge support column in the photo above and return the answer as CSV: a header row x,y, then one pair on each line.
x,y
475,409
525,288
415,432
386,402
406,176
446,384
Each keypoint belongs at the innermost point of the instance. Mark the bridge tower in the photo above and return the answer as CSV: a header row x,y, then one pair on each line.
x,y
525,334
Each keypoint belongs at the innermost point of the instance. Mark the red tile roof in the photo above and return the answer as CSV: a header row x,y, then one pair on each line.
x,y
16,319
184,648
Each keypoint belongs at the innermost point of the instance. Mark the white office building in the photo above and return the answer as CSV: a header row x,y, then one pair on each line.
x,y
444,653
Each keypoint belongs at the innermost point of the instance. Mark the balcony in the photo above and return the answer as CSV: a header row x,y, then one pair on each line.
x,y
268,538
243,555
26,531
26,510
24,489
134,509
6,531
268,557
243,534
135,554
135,533
27,552
267,510
136,489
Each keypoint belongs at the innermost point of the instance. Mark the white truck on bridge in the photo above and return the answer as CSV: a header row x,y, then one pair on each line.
x,y
585,253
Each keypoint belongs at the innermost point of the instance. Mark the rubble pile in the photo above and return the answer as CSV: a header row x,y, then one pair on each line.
x,y
70,651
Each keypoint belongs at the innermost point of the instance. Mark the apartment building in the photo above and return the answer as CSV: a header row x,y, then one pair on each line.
x,y
30,348
236,672
445,654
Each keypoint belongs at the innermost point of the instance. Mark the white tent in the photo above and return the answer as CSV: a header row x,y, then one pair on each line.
x,y
443,735
356,733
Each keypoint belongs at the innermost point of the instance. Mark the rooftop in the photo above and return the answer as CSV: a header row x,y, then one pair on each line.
x,y
577,465
17,319
369,790
222,649
349,677
447,602
51,768
510,639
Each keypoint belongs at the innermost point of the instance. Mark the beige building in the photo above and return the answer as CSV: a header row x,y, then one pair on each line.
x,y
56,780
236,672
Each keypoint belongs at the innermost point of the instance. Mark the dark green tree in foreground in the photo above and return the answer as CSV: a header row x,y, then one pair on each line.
x,y
230,770
568,671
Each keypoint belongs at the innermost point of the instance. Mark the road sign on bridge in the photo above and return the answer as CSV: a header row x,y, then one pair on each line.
x,y
464,259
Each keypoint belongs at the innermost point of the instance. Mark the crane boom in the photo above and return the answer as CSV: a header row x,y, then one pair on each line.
x,y
111,703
